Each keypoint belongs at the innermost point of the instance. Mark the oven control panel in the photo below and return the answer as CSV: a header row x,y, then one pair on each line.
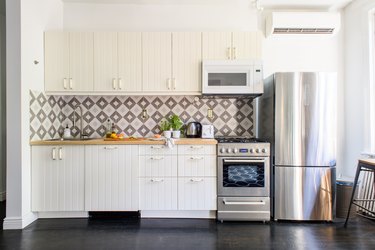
x,y
243,149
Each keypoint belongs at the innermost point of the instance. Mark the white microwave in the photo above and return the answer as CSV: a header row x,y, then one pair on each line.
x,y
234,77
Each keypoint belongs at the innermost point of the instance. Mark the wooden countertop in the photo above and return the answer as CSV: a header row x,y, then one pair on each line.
x,y
369,161
146,141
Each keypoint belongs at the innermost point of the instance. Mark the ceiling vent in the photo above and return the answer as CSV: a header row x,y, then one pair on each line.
x,y
302,23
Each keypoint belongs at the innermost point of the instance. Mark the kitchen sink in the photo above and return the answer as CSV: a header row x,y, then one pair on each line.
x,y
72,139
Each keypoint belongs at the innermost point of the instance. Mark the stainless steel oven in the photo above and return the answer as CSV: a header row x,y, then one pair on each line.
x,y
243,180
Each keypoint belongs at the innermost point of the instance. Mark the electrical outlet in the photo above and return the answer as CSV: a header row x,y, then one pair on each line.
x,y
210,113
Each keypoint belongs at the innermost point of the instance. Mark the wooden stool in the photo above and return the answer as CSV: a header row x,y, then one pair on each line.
x,y
363,165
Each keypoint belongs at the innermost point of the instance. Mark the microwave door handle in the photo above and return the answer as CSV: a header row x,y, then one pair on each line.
x,y
245,161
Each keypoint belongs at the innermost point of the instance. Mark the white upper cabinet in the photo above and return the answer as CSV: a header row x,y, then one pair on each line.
x,y
231,45
186,61
69,61
117,61
157,61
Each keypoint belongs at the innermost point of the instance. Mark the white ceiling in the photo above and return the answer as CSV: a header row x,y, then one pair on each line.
x,y
268,4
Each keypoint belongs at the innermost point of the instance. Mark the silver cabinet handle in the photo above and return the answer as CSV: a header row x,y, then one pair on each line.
x,y
157,147
110,148
157,158
196,158
64,83
119,83
234,53
196,180
54,154
196,147
244,203
114,83
174,83
229,56
70,83
60,153
156,180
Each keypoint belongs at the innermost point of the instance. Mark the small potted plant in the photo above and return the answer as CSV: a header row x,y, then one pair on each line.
x,y
165,126
176,125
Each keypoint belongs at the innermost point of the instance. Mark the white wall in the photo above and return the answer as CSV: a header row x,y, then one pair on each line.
x,y
26,20
357,81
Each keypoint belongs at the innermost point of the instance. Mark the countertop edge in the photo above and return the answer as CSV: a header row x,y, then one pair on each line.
x,y
182,141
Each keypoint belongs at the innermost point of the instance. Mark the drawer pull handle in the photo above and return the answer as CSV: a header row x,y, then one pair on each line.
x,y
196,147
157,180
110,148
64,83
60,154
157,158
196,158
70,83
244,203
196,180
157,147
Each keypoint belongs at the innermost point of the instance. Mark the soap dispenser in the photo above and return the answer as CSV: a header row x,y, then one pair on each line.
x,y
67,132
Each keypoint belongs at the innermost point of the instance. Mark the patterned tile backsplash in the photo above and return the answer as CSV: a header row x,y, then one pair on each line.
x,y
50,114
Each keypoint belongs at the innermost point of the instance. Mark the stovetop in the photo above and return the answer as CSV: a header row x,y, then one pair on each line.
x,y
231,139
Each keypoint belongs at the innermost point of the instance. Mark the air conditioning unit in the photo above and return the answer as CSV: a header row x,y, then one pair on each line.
x,y
302,23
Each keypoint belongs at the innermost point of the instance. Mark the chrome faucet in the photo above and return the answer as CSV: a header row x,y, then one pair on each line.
x,y
82,135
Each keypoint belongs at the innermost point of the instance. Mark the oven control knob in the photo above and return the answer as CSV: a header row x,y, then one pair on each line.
x,y
222,150
229,150
257,150
264,150
251,150
235,150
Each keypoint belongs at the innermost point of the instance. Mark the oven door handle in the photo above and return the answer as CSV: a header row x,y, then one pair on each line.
x,y
245,161
244,203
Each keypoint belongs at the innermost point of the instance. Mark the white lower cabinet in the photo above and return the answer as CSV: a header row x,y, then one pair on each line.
x,y
111,178
197,193
158,193
57,178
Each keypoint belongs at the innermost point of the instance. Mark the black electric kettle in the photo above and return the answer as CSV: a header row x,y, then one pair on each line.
x,y
194,130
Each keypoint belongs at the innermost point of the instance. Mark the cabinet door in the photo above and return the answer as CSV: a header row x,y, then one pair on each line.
x,y
56,61
158,166
197,193
158,193
197,165
105,61
246,45
111,180
130,61
57,178
157,61
186,61
217,45
81,63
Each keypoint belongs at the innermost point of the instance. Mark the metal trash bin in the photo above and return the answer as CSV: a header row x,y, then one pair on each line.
x,y
344,190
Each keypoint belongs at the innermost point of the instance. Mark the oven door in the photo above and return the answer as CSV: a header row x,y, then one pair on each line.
x,y
243,176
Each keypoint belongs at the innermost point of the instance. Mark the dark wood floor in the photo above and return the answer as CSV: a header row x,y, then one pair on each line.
x,y
188,234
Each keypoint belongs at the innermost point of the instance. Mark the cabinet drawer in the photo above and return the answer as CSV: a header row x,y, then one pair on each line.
x,y
197,193
157,150
158,193
198,165
158,166
197,149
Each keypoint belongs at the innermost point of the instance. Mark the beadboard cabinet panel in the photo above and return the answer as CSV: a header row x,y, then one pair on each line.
x,y
157,150
197,193
247,45
130,61
197,149
158,193
197,165
217,45
111,179
186,61
157,61
57,178
158,166
105,61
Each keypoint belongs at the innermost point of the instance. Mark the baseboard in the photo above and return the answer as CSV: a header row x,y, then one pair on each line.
x,y
75,214
196,214
3,196
12,223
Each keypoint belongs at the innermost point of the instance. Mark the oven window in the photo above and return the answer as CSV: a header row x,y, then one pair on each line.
x,y
227,79
243,175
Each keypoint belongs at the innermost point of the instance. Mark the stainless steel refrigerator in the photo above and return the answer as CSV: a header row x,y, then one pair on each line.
x,y
297,114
